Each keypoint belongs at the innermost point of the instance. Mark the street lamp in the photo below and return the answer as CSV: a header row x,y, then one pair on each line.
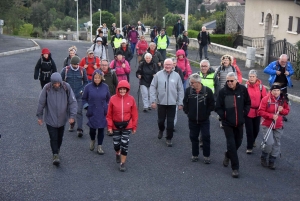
x,y
77,21
121,16
164,21
100,16
91,20
186,15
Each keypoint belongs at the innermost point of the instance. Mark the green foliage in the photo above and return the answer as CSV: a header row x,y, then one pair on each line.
x,y
25,30
69,23
220,24
169,30
297,66
171,19
58,23
222,39
126,19
37,32
106,17
192,33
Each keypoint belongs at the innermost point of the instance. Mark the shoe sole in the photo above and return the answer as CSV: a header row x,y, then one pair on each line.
x,y
56,163
160,136
80,135
169,145
235,176
100,153
122,170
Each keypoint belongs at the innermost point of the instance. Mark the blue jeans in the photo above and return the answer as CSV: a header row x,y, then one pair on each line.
x,y
195,129
184,85
132,46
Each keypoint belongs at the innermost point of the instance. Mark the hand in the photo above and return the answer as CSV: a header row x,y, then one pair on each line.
x,y
275,116
280,108
85,66
110,131
183,42
199,41
95,66
137,48
286,73
159,64
133,131
40,122
123,66
139,76
187,44
71,120
278,72
180,107
153,105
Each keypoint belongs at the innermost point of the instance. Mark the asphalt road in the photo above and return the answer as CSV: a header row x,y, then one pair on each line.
x,y
154,171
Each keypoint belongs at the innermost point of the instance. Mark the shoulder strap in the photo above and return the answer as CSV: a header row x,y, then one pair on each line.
x,y
66,71
94,46
86,60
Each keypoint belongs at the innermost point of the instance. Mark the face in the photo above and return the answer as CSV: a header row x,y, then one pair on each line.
x,y
226,62
46,56
203,29
168,65
99,42
97,79
186,33
118,31
283,61
231,82
123,44
275,92
142,38
148,59
120,57
122,91
204,67
162,32
75,66
174,63
194,84
152,47
252,78
72,53
91,55
180,56
104,66
56,85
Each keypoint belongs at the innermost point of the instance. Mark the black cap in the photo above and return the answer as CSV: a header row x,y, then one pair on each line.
x,y
275,86
119,52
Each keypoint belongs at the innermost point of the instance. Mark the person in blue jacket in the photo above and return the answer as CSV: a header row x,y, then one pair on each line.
x,y
280,72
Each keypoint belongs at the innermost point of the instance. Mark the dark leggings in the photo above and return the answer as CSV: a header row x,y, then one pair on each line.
x,y
100,136
252,130
56,137
121,141
43,83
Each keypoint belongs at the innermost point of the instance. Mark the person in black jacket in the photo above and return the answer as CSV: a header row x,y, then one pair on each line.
x,y
198,103
156,56
104,39
203,40
145,73
125,50
44,67
183,42
233,105
177,30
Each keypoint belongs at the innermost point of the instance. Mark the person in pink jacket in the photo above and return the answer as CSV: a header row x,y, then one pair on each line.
x,y
256,91
141,47
184,64
121,66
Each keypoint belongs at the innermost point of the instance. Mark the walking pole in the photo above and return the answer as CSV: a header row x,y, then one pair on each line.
x,y
211,49
265,139
138,93
107,54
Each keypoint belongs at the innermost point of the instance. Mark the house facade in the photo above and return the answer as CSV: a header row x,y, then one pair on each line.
x,y
280,18
235,19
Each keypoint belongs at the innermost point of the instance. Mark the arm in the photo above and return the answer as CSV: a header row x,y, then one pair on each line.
x,y
210,100
239,74
155,40
85,79
98,62
85,97
263,91
269,69
139,71
65,62
180,91
186,101
286,109
290,69
262,110
53,66
216,86
153,88
208,38
168,41
127,67
115,80
130,55
42,103
109,116
112,42
63,73
247,102
37,69
72,103
220,105
188,67
134,116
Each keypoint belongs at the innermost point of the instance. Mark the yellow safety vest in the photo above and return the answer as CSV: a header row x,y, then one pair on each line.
x,y
162,42
208,81
117,42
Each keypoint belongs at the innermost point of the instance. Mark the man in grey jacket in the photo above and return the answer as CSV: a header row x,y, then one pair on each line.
x,y
59,102
166,92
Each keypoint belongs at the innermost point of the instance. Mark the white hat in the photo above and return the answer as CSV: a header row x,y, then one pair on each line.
x,y
124,41
101,26
99,39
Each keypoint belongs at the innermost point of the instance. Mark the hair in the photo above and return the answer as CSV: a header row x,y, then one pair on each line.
x,y
174,59
284,56
148,55
101,76
152,43
168,59
104,60
252,72
73,48
196,77
232,74
205,61
226,56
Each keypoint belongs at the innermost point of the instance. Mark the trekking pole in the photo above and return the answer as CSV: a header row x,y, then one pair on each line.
x,y
138,93
107,54
265,139
212,50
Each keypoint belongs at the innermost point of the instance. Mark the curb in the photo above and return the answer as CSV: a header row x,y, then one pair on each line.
x,y
291,96
21,50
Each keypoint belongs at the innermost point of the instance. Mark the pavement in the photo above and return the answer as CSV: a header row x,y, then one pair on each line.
x,y
154,171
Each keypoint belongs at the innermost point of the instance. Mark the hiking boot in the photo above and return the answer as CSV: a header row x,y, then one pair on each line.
x,y
56,160
100,150
122,167
226,161
145,110
263,162
79,132
235,173
249,151
169,143
92,145
71,128
118,158
194,158
271,165
206,160
160,134
284,118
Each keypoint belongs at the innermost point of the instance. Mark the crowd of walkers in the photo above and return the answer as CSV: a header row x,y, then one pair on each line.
x,y
101,88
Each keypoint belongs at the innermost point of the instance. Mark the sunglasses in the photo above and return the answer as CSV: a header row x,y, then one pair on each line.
x,y
230,81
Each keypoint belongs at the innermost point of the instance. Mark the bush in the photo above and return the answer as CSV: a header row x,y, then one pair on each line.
x,y
37,32
169,30
26,30
222,39
297,66
193,33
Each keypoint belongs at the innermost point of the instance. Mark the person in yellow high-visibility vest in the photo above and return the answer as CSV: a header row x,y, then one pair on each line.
x,y
162,43
116,40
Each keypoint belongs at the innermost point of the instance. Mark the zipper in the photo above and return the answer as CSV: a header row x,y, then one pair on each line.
x,y
236,115
197,107
168,90
122,108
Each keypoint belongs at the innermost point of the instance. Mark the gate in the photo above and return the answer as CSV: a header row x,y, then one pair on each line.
x,y
280,47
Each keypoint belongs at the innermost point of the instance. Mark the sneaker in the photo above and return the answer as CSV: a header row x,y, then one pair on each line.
x,y
122,167
92,145
100,150
56,160
225,161
194,158
169,143
249,151
160,134
118,158
235,174
206,160
263,162
145,110
271,166
71,128
79,132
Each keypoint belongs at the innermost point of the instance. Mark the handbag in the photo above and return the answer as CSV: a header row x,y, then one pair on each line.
x,y
122,124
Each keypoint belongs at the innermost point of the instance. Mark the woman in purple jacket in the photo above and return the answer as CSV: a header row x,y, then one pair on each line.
x,y
133,37
95,100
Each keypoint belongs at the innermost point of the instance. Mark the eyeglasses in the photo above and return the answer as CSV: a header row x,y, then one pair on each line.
x,y
104,64
204,66
230,81
168,64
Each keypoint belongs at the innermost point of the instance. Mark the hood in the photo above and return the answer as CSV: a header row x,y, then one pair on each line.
x,y
123,83
180,52
210,70
233,61
98,72
257,83
56,77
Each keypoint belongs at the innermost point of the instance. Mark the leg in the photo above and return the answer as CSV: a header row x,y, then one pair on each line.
x,y
60,136
249,132
184,84
205,51
162,113
276,146
117,140
171,110
100,136
53,134
200,51
79,117
92,136
256,126
175,118
194,134
231,147
144,92
205,133
124,143
186,52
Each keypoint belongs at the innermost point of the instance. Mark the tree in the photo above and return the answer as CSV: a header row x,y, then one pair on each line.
x,y
106,17
220,24
26,29
69,23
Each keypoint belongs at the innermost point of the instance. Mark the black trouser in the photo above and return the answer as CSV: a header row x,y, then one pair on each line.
x,y
234,138
177,45
100,135
56,137
252,129
166,112
43,83
195,129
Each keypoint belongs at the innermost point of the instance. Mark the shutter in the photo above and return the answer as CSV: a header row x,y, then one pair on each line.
x,y
290,23
298,27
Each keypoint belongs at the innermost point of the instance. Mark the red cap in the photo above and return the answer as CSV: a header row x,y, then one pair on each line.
x,y
45,51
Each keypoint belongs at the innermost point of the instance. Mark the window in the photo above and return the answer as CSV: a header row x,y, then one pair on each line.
x,y
277,19
290,27
262,16
298,26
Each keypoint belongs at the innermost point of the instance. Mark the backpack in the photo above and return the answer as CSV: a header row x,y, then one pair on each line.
x,y
68,68
201,35
219,70
86,61
101,52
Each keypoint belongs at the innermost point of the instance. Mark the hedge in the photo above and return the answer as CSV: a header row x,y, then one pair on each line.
x,y
222,39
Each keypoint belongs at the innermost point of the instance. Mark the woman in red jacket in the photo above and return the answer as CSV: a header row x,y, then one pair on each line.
x,y
141,47
256,91
184,64
272,109
122,117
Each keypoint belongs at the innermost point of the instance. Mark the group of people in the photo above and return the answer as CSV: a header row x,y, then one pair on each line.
x,y
102,89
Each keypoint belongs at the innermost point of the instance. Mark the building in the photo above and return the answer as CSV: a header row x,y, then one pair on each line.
x,y
210,26
235,19
280,18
